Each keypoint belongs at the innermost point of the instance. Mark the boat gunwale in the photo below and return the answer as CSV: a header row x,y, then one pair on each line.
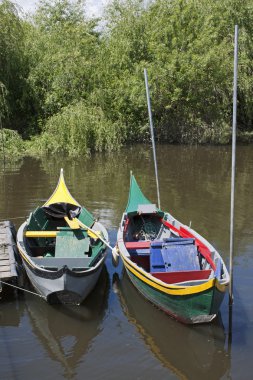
x,y
164,287
33,266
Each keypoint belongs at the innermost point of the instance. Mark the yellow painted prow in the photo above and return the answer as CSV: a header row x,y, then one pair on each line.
x,y
61,193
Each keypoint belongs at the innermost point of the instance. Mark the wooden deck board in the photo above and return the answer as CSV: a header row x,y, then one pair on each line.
x,y
4,265
5,275
7,247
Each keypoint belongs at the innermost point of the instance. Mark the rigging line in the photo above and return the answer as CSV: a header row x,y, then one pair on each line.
x,y
152,136
24,290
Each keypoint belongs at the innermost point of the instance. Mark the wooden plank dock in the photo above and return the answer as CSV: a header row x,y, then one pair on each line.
x,y
8,252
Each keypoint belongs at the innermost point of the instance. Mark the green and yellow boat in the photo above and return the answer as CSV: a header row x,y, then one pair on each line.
x,y
169,263
62,248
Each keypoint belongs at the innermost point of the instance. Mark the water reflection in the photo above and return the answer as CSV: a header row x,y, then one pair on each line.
x,y
11,311
100,182
190,352
194,186
66,331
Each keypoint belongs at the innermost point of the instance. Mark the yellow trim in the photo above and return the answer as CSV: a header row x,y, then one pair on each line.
x,y
25,257
53,234
96,235
61,193
93,234
38,234
73,224
219,286
169,289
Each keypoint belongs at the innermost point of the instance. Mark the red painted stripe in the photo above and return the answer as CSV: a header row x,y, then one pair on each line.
x,y
203,249
174,277
171,227
137,244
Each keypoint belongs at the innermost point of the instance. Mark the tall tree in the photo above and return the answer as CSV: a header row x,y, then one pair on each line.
x,y
13,67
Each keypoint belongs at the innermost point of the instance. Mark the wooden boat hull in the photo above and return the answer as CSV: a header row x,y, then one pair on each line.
x,y
67,287
62,247
185,302
59,283
169,263
200,307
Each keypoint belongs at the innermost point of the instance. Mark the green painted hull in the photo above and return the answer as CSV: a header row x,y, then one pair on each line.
x,y
195,308
190,291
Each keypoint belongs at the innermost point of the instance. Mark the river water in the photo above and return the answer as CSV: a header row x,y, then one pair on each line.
x,y
115,333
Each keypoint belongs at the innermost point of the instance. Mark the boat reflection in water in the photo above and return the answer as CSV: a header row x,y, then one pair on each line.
x,y
66,331
11,310
191,352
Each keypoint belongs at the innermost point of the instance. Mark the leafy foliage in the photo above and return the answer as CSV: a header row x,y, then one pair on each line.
x,y
11,144
77,85
13,68
78,129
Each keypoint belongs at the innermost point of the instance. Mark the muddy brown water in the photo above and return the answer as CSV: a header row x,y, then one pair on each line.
x,y
115,333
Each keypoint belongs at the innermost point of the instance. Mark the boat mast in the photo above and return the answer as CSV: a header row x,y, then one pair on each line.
x,y
152,136
233,167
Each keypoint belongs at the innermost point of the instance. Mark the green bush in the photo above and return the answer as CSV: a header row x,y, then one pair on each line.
x,y
11,144
78,85
78,129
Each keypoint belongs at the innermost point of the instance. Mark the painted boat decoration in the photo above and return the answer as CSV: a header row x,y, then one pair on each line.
x,y
169,263
62,248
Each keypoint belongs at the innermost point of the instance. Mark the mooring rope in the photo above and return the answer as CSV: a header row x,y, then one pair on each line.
x,y
24,290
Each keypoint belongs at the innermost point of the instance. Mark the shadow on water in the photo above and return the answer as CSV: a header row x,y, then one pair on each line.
x,y
11,310
66,331
190,352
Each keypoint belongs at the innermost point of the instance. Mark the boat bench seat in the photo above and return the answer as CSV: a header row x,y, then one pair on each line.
x,y
57,263
137,244
174,255
53,234
182,276
39,234
71,243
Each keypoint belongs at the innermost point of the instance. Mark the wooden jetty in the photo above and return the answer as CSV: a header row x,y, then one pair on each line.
x,y
8,253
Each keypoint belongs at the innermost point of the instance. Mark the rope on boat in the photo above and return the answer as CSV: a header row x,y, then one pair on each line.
x,y
24,290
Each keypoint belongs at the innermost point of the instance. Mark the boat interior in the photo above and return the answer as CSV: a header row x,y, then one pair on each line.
x,y
51,239
168,253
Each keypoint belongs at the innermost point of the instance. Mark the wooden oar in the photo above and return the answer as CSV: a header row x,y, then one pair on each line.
x,y
74,225
115,254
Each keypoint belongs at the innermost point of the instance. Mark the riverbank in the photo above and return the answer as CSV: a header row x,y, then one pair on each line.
x,y
13,147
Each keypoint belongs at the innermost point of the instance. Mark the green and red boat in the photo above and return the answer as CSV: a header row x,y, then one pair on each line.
x,y
169,263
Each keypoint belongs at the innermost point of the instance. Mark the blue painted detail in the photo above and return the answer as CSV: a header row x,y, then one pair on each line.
x,y
174,255
140,252
180,257
218,270
156,260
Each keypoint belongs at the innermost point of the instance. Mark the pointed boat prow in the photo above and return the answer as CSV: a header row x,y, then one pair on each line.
x,y
61,194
